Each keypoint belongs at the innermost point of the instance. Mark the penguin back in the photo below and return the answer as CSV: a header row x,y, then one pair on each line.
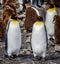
x,y
56,28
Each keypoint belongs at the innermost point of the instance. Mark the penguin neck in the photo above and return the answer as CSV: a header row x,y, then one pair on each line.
x,y
51,9
14,21
38,22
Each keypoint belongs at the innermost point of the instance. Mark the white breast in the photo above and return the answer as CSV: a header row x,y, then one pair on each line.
x,y
38,39
50,22
14,38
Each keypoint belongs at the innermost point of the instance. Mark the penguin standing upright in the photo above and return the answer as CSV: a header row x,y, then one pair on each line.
x,y
56,28
39,40
21,4
1,1
14,37
49,22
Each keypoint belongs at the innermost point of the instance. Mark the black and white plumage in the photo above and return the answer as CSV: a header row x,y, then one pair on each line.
x,y
49,22
38,40
1,1
20,4
14,38
37,2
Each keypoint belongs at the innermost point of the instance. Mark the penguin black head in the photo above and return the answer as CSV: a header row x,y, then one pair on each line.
x,y
14,17
51,6
39,18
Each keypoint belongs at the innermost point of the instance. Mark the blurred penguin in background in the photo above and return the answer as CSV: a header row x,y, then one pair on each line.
x,y
42,12
31,17
11,4
42,2
13,37
37,2
46,5
4,1
21,4
56,29
39,39
8,5
1,1
24,4
7,12
49,22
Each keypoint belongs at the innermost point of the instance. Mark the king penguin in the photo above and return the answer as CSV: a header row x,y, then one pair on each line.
x,y
39,39
14,37
20,4
49,21
1,1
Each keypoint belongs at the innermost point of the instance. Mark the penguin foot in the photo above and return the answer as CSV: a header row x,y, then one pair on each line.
x,y
39,58
10,57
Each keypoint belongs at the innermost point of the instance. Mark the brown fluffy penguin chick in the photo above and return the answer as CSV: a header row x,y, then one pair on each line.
x,y
1,29
6,14
57,28
31,17
4,1
11,4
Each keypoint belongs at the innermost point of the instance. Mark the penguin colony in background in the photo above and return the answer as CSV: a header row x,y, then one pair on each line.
x,y
20,4
23,4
